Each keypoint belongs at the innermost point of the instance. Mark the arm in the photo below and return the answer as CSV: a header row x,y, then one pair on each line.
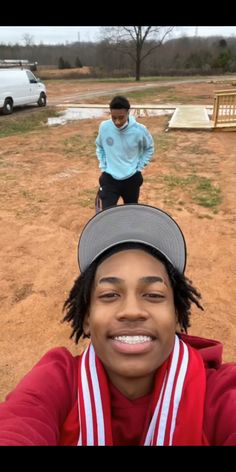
x,y
220,406
100,152
147,149
36,409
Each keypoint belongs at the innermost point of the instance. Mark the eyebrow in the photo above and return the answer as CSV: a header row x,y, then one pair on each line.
x,y
149,279
110,280
152,279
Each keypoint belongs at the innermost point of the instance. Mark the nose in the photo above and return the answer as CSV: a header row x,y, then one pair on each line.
x,y
132,309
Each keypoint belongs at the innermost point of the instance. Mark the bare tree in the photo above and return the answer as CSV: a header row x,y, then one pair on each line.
x,y
28,39
137,41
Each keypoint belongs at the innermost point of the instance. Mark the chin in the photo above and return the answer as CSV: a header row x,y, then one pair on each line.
x,y
134,369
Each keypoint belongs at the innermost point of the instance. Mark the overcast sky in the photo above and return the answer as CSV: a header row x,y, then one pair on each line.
x,y
68,34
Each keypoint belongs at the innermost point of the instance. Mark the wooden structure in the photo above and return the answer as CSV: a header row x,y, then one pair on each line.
x,y
224,111
220,116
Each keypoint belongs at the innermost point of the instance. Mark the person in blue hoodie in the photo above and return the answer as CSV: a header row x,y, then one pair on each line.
x,y
123,147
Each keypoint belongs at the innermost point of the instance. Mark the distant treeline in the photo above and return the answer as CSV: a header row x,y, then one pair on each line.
x,y
183,56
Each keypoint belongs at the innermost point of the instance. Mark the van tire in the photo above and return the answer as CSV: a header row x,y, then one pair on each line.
x,y
8,106
42,101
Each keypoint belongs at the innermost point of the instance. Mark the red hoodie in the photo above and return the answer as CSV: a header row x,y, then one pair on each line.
x,y
39,412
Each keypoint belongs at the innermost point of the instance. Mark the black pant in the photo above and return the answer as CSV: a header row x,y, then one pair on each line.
x,y
111,189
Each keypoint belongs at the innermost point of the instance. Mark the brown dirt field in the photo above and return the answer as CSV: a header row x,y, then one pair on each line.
x,y
48,185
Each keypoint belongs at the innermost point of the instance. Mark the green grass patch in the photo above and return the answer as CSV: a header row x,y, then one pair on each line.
x,y
26,122
73,143
196,149
166,93
208,217
201,189
87,197
173,181
79,146
8,177
3,163
207,195
201,97
149,93
163,142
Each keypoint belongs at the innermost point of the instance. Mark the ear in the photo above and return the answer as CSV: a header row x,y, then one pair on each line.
x,y
86,325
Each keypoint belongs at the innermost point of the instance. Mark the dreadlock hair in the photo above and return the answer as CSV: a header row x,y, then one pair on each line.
x,y
78,302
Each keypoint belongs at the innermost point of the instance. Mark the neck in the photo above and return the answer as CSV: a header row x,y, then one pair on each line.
x,y
124,125
133,388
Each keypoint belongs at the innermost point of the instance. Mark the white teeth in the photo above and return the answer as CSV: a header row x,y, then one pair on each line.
x,y
133,339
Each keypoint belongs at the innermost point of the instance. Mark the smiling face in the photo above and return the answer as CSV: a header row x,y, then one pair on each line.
x,y
119,116
132,319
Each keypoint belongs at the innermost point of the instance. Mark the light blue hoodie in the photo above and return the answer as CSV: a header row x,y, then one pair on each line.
x,y
122,152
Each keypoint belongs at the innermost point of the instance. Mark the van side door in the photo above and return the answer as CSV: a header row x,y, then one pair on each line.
x,y
33,86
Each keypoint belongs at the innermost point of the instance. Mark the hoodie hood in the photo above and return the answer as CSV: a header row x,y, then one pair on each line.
x,y
209,349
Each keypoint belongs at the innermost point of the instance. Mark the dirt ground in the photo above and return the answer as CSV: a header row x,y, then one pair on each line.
x,y
48,185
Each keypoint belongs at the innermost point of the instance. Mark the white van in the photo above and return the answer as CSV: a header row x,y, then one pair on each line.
x,y
20,87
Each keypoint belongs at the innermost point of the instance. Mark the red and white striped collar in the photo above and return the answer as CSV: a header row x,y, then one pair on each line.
x,y
170,391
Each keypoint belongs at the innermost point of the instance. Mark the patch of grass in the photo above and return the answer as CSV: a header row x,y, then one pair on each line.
x,y
26,122
201,189
23,292
173,181
170,202
32,196
196,149
208,217
72,144
80,146
141,96
206,194
87,197
163,141
148,94
3,163
201,97
73,140
8,177
151,179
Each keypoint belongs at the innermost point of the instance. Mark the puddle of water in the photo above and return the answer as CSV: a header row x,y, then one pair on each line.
x,y
71,114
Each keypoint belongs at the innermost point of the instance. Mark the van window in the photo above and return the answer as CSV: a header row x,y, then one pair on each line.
x,y
31,77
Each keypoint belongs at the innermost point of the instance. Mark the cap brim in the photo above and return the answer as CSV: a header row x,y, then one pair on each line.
x,y
132,223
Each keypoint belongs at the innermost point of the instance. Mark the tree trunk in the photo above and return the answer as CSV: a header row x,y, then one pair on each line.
x,y
138,63
137,70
